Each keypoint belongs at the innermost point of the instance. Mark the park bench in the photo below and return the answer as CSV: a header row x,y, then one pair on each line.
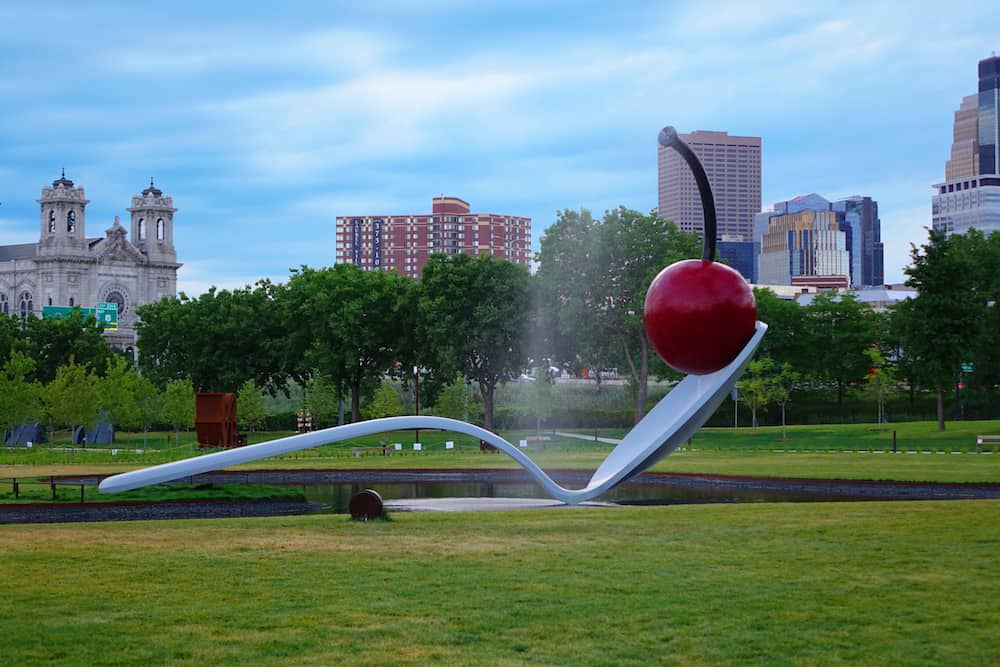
x,y
986,439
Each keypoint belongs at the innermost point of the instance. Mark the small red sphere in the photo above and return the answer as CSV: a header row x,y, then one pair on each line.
x,y
699,315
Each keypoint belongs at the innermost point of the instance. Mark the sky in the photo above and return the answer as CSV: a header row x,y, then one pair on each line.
x,y
265,121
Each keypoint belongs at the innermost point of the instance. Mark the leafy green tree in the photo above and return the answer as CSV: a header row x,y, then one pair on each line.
x,y
786,339
839,329
542,397
757,387
20,398
783,381
177,406
385,403
321,399
72,399
117,397
456,401
53,343
593,279
950,318
147,402
347,324
250,409
219,340
633,248
475,312
881,379
571,320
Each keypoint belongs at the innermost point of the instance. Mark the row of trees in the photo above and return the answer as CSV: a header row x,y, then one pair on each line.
x,y
339,331
468,316
486,320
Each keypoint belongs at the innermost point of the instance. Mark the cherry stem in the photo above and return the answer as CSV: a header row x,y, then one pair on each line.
x,y
670,139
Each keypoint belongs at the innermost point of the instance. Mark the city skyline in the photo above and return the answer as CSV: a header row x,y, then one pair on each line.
x,y
264,125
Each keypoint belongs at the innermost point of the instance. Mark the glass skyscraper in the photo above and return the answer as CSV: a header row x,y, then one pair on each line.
x,y
969,198
989,115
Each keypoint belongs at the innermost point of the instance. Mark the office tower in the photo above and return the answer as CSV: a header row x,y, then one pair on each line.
x,y
403,242
809,240
969,197
732,165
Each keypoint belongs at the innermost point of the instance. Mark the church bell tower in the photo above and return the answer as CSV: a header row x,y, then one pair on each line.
x,y
153,224
63,218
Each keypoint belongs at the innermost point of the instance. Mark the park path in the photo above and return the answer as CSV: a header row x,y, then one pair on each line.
x,y
591,438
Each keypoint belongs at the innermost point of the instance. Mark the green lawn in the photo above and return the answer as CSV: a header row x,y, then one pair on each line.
x,y
849,451
903,583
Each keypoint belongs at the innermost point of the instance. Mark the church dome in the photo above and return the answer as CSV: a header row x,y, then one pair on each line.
x,y
152,190
62,181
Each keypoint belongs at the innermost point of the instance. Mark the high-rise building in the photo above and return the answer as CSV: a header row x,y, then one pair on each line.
x,y
732,165
969,197
402,243
810,240
858,218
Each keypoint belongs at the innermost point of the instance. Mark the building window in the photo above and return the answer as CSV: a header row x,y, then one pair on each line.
x,y
27,305
71,221
71,302
50,300
52,222
159,229
115,296
142,229
4,304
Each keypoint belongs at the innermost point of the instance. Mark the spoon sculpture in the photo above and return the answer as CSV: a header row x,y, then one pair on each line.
x,y
713,308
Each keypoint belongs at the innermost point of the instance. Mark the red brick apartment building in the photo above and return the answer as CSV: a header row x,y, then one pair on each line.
x,y
402,243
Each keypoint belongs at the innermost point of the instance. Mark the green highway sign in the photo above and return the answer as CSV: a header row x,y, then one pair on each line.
x,y
107,313
967,367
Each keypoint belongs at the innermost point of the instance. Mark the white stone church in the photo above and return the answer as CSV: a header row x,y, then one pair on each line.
x,y
66,268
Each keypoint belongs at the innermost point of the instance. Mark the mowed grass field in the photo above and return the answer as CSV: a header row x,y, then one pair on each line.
x,y
843,451
901,583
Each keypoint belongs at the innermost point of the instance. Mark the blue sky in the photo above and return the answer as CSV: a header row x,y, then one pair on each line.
x,y
265,121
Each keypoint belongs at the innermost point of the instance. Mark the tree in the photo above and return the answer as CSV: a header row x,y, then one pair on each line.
x,y
950,318
147,402
633,248
117,395
757,388
219,340
783,381
347,324
456,401
20,398
838,331
570,319
72,398
385,403
321,399
474,314
250,410
594,277
786,333
177,406
542,397
880,379
53,343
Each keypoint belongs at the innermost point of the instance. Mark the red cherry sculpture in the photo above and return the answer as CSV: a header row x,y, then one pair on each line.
x,y
698,314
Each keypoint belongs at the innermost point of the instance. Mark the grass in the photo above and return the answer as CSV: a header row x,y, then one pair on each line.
x,y
759,584
848,451
38,490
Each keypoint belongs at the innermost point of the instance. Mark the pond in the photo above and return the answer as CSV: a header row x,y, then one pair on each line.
x,y
338,496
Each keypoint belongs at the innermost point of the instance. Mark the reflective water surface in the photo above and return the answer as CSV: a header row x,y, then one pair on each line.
x,y
338,496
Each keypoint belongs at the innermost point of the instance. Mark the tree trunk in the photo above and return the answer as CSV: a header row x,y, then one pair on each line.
x,y
784,430
355,401
642,389
639,375
753,411
487,391
940,408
